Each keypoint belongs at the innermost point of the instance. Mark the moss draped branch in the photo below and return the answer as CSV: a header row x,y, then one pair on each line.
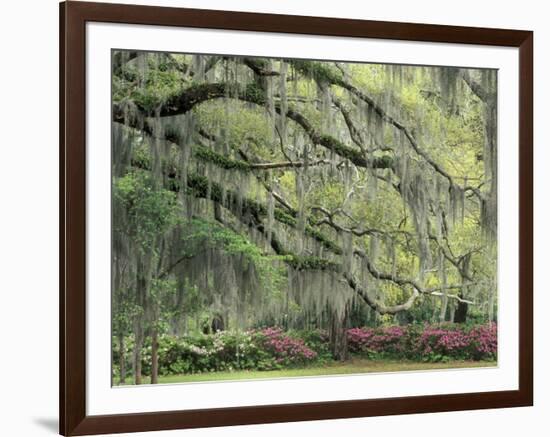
x,y
197,94
323,74
252,213
256,211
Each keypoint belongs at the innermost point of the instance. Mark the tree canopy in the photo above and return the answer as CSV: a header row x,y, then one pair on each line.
x,y
253,191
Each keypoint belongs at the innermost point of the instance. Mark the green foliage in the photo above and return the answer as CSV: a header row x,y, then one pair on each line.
x,y
223,351
150,212
150,86
272,349
343,180
201,233
208,155
318,341
124,312
317,71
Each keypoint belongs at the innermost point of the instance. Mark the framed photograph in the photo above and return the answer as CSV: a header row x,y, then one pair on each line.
x,y
271,218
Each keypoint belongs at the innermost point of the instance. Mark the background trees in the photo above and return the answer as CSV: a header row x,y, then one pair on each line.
x,y
251,192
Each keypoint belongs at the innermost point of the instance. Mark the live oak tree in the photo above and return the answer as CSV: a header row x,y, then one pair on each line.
x,y
307,194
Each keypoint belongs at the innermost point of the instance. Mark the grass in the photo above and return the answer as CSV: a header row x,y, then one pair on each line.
x,y
352,366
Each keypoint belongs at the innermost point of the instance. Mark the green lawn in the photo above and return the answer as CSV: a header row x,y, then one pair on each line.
x,y
336,368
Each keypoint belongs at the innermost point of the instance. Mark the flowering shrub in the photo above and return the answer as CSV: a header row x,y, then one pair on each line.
x,y
318,341
285,349
484,341
273,348
265,349
389,340
436,341
428,342
207,353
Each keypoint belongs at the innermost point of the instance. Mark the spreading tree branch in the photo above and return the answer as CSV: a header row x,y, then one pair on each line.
x,y
197,94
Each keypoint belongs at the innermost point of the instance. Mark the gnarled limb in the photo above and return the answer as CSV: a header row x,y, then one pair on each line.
x,y
251,213
378,306
197,94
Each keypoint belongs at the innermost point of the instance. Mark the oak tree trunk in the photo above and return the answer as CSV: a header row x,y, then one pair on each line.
x,y
461,312
338,336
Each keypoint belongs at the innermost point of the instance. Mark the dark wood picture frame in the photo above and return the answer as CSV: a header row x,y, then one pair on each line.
x,y
73,18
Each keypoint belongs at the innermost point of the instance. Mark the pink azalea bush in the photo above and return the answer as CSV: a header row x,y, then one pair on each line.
x,y
273,348
427,342
264,349
376,340
287,350
484,340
